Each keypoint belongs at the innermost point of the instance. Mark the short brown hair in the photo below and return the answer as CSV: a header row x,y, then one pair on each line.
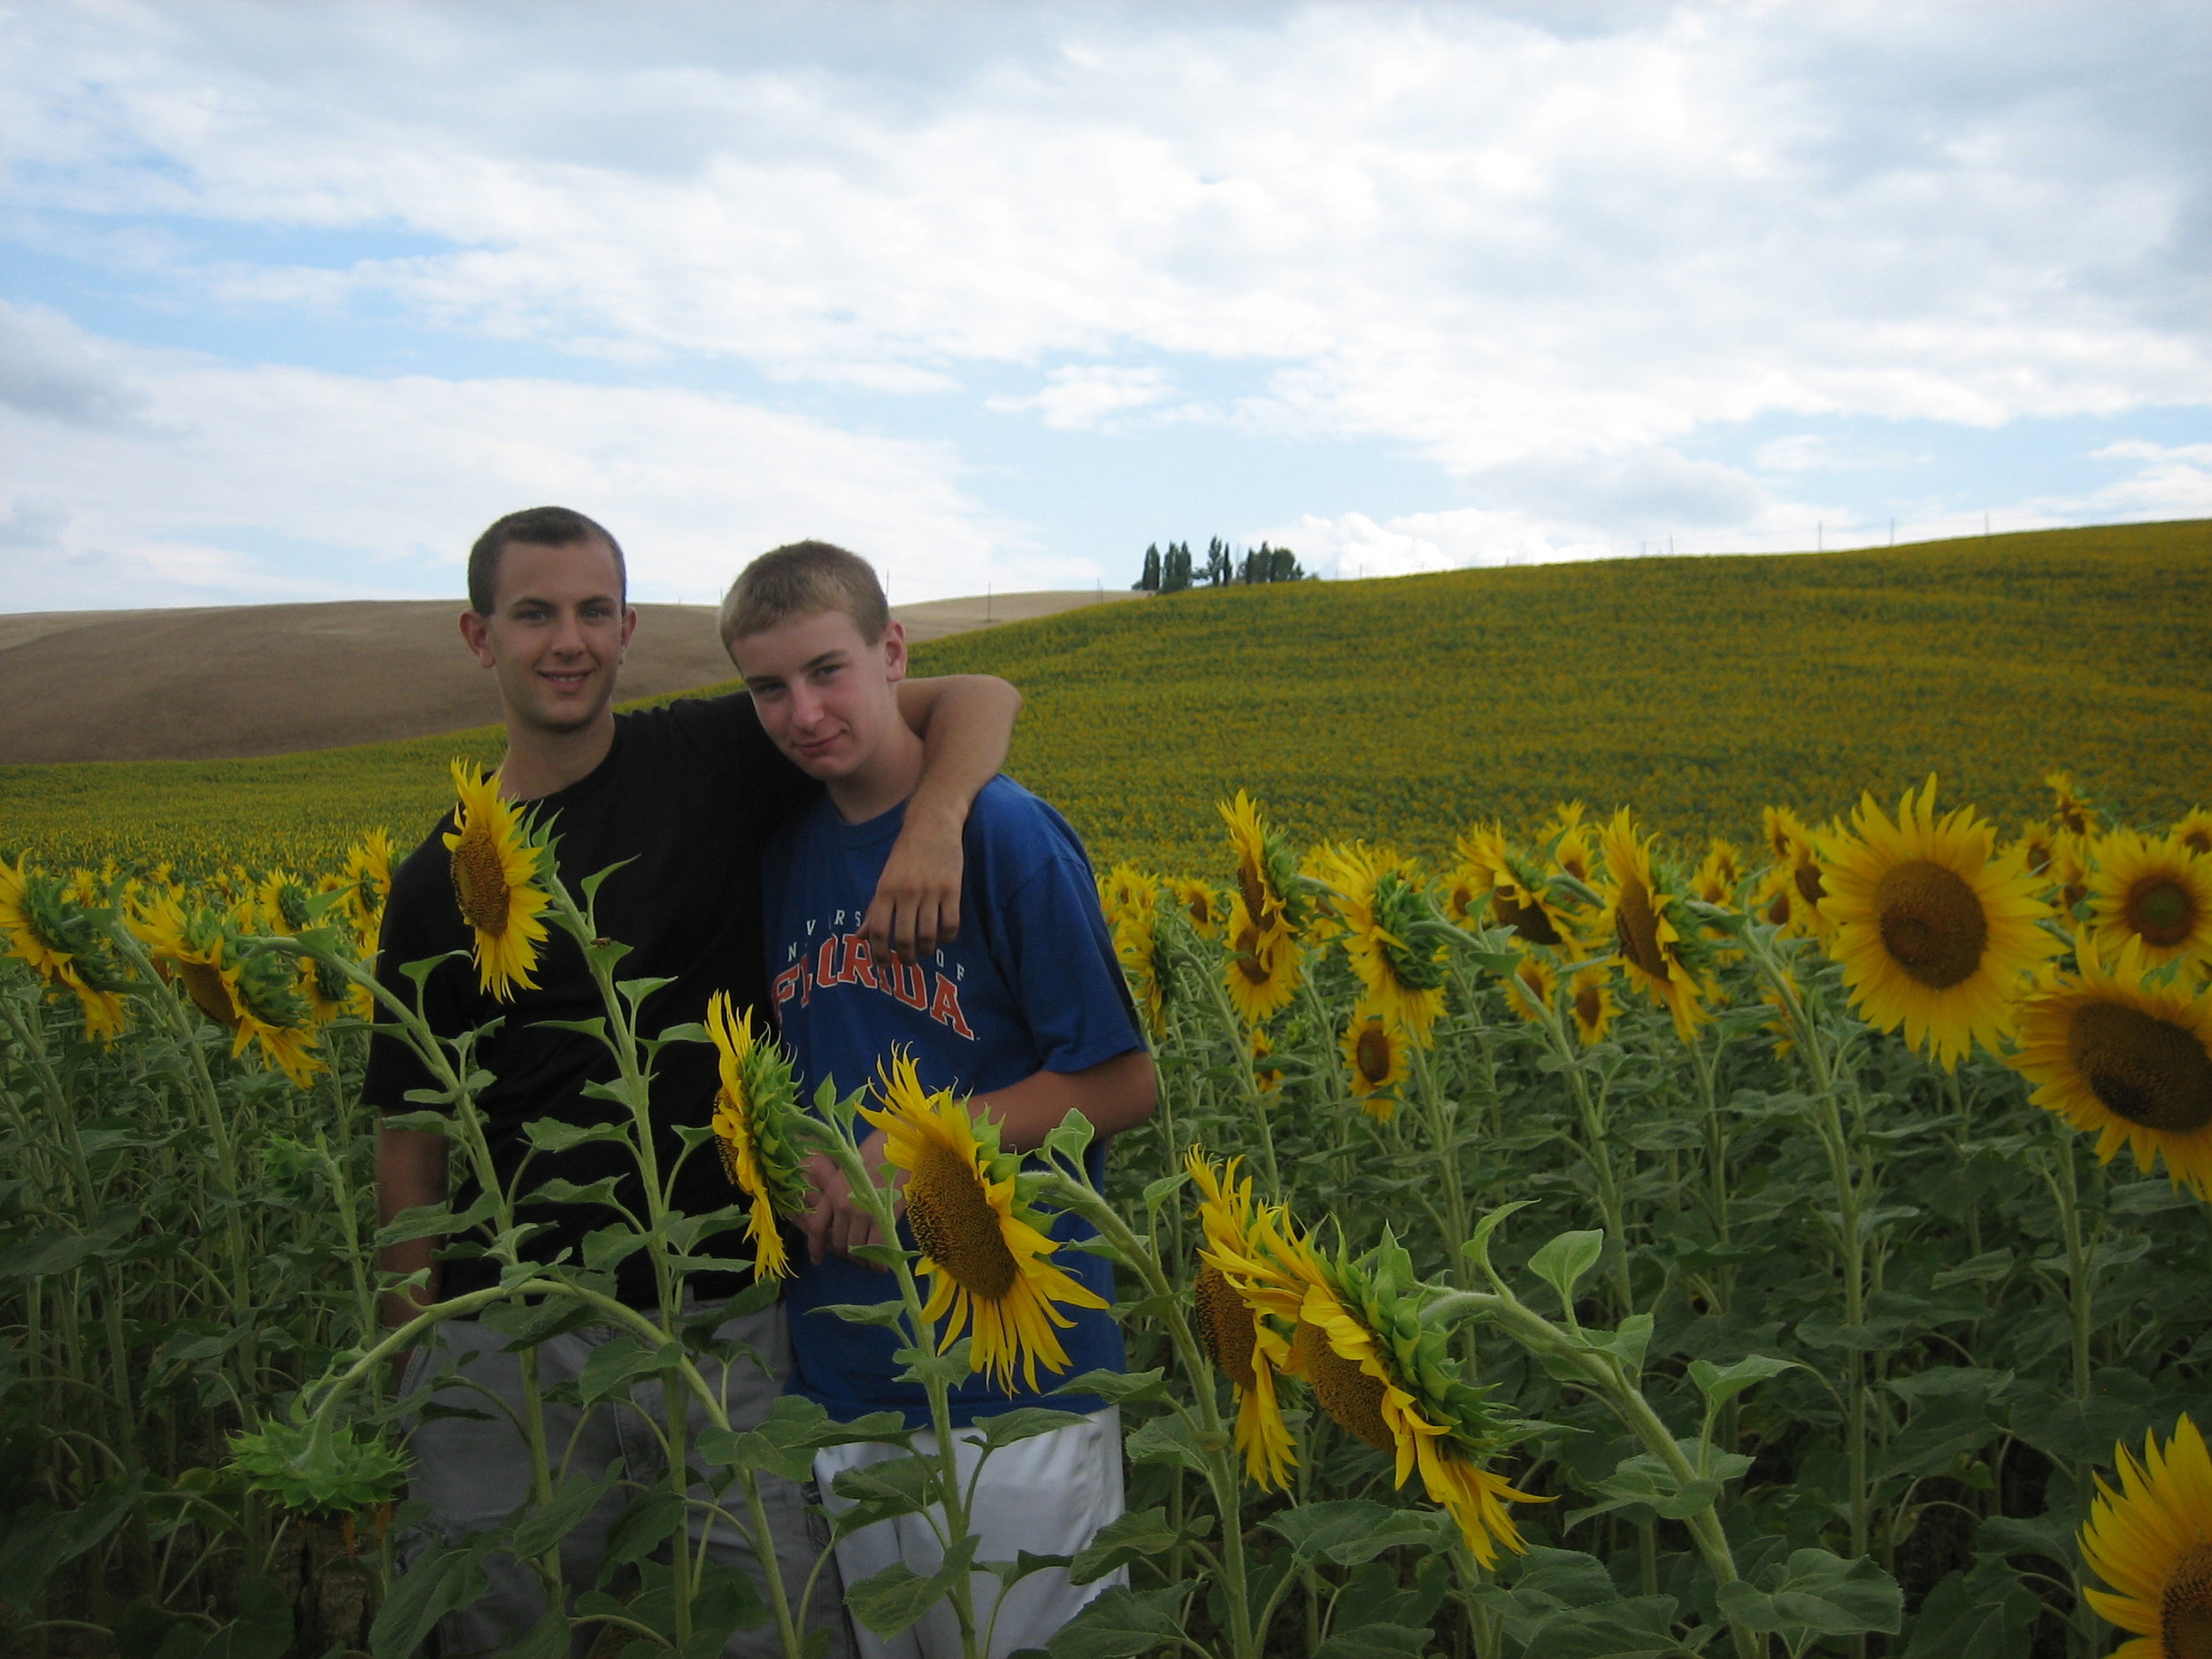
x,y
799,579
536,526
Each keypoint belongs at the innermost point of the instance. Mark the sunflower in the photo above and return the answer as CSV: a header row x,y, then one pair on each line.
x,y
2130,1061
1390,937
2039,844
1590,999
1520,898
1642,913
1375,1052
1718,874
2156,891
368,877
2152,1542
1237,1337
1267,872
65,944
498,858
1531,990
1267,1071
982,1246
1933,930
1199,901
752,1112
1782,831
1132,904
1461,892
1569,839
1386,1378
2194,832
2067,880
1260,968
2075,814
253,995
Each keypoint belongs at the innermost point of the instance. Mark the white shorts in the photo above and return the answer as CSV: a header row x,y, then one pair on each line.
x,y
1049,1495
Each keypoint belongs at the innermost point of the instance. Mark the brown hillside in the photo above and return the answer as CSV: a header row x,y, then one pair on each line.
x,y
233,680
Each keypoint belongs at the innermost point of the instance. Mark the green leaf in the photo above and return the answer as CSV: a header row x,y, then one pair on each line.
x,y
1349,1531
1626,1344
537,1530
1375,1641
890,1601
1117,1388
1636,1627
1720,1384
1167,1440
1983,1613
425,1221
1566,1259
57,1250
1129,1538
1023,1423
38,1540
890,1314
551,1134
883,1491
1645,1478
640,1529
618,1361
1476,1250
441,1581
1122,1623
1070,1138
1817,1594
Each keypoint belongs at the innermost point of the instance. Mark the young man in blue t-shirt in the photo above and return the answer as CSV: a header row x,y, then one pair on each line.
x,y
1025,1009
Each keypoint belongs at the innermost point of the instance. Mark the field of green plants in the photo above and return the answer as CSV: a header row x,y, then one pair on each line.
x,y
1587,1243
1700,689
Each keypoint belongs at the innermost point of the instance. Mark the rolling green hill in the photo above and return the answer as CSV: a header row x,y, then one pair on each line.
x,y
1697,689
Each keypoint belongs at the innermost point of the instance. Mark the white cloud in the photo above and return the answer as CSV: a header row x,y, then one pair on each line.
x,y
240,485
50,367
1081,397
1477,236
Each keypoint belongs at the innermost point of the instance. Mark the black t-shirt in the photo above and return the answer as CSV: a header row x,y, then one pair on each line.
x,y
691,791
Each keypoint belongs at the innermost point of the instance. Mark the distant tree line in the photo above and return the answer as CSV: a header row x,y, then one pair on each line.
x,y
1171,571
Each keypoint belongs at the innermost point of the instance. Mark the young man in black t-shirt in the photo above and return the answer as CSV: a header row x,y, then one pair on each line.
x,y
689,793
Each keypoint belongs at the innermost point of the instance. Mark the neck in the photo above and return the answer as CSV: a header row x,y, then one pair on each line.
x,y
881,781
541,763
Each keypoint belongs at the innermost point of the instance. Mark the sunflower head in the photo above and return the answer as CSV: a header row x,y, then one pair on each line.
x,y
2194,832
2075,814
498,858
1131,900
1666,960
64,942
1267,869
367,876
753,1111
2152,1542
1260,966
1782,831
2127,1057
1718,874
1531,990
1590,1001
1521,899
986,1251
1391,934
1203,906
2039,844
1234,1326
1376,1050
1935,931
2155,891
1572,849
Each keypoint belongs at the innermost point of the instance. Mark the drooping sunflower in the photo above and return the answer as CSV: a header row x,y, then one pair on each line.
x,y
1719,873
983,1248
2066,880
1243,1346
752,1114
1267,871
253,995
64,943
2129,1062
497,859
368,877
2152,1542
1590,1000
1782,831
1132,902
1260,967
1199,901
2075,814
1390,936
2039,844
1522,899
1934,929
1462,893
1568,836
1267,1071
2194,832
1375,1052
1661,958
2156,891
1387,1379
1531,990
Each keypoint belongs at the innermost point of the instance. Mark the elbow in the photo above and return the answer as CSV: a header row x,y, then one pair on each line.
x,y
1142,1096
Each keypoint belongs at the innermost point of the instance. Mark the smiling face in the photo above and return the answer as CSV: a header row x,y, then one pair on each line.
x,y
556,634
825,693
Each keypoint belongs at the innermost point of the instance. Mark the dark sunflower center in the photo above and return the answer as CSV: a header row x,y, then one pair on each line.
x,y
1253,886
1808,879
1588,1005
1372,1051
1528,920
1778,912
205,986
1349,1394
1248,957
1932,925
2143,1068
2184,1611
955,1224
2162,911
1636,925
2197,841
1225,1326
480,881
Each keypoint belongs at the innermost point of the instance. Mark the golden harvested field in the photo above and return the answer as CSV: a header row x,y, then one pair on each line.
x,y
1697,689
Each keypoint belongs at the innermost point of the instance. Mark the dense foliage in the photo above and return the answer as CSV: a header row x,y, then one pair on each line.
x,y
1649,1188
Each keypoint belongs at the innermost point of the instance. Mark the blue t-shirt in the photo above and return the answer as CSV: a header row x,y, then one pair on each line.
x,y
1031,984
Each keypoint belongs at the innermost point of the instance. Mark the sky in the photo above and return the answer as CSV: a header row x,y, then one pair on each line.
x,y
295,299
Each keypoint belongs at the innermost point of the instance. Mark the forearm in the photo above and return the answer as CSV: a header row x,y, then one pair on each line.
x,y
1115,1094
410,1171
966,723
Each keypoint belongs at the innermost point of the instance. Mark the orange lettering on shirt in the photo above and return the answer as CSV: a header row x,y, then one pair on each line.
x,y
860,963
944,1007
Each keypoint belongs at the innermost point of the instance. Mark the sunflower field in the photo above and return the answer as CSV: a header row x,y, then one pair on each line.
x,y
1578,1245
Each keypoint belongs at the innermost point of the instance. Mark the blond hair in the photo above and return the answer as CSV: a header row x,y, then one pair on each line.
x,y
801,579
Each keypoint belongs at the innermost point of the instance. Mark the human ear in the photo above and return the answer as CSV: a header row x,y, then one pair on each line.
x,y
476,633
894,663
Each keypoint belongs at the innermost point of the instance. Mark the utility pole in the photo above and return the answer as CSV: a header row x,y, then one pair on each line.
x,y
1892,530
